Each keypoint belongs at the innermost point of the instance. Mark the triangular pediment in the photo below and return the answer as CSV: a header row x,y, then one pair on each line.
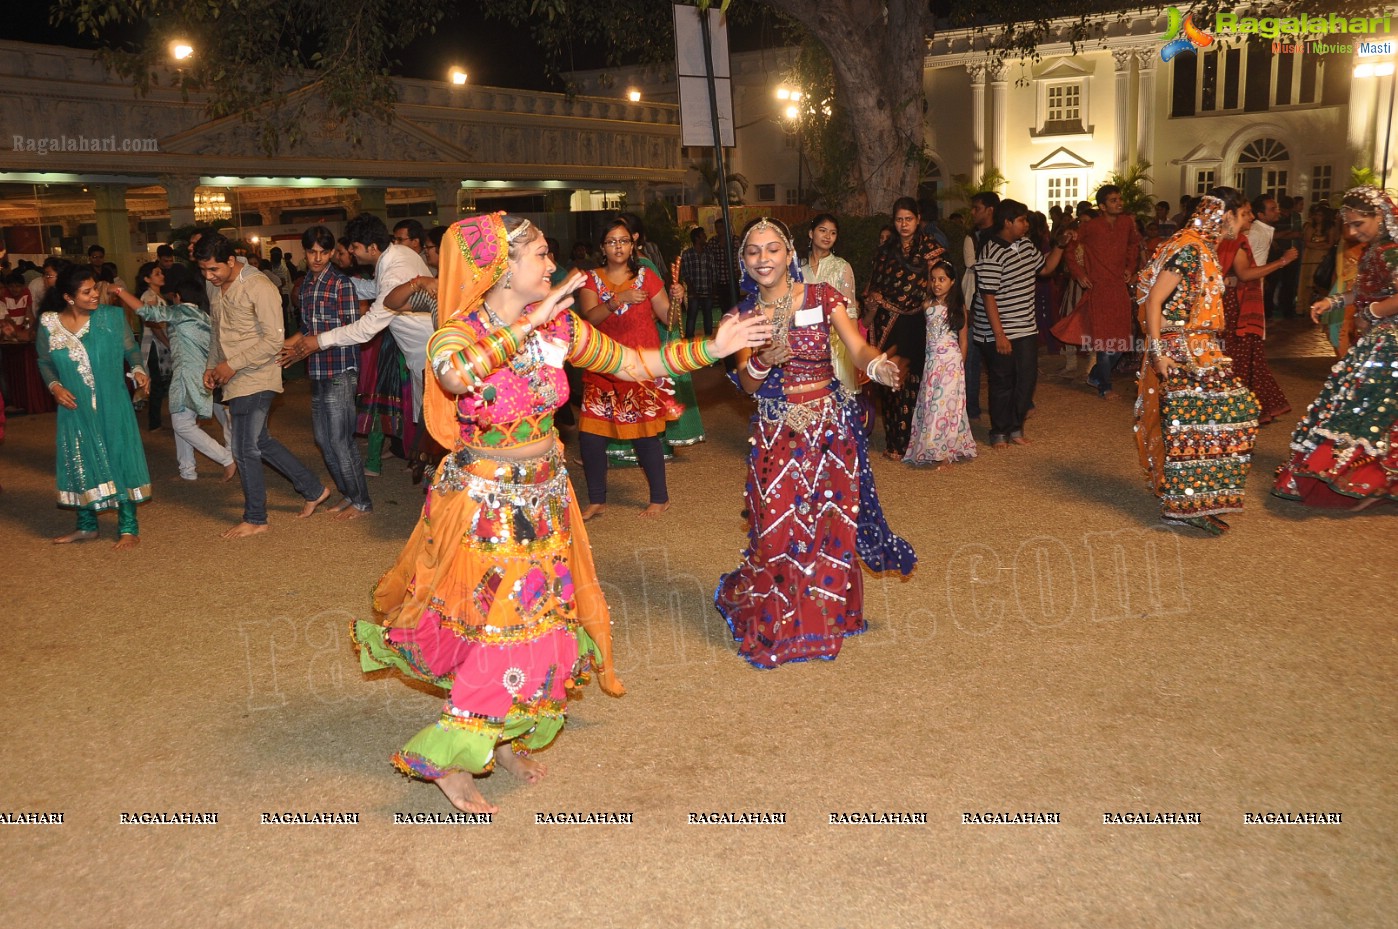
x,y
1061,69
322,137
1199,154
1059,159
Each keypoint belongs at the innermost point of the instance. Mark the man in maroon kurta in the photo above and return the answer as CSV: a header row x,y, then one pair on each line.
x,y
1110,250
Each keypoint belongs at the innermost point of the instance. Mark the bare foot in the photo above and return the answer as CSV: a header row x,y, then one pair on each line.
x,y
521,766
126,542
78,536
1109,395
229,470
354,512
340,507
593,509
310,505
243,530
655,509
940,465
1020,440
460,790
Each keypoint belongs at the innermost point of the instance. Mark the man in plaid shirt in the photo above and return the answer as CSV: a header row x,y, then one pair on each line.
x,y
328,301
698,274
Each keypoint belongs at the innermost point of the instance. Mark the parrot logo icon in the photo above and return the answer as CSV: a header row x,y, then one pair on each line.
x,y
1193,36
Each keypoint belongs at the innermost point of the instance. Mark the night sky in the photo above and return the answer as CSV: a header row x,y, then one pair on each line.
x,y
491,52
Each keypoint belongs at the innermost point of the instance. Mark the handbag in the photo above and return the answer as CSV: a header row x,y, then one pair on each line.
x,y
1325,271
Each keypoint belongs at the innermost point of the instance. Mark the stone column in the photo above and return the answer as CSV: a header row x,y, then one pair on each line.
x,y
998,122
372,200
114,226
179,197
1124,135
1145,104
446,194
271,215
977,73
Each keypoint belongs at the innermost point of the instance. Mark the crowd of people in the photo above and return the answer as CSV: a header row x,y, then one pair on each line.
x,y
466,346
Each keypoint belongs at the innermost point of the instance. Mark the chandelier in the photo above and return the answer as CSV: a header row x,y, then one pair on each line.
x,y
211,207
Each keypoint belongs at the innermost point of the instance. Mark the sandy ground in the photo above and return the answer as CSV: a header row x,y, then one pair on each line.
x,y
1055,652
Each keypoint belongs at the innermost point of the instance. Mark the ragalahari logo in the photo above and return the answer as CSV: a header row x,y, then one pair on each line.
x,y
1193,36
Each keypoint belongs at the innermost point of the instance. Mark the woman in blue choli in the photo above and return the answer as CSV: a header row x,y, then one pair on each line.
x,y
813,510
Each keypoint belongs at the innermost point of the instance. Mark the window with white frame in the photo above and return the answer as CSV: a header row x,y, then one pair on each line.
x,y
1063,102
1322,183
1263,168
1063,190
1203,180
1063,108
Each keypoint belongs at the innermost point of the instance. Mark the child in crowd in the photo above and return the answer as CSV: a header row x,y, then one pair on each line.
x,y
941,431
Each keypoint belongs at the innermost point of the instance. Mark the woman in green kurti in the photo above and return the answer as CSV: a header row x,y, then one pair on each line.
x,y
83,348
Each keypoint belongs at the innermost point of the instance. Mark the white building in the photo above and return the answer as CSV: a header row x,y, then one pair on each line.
x,y
1235,112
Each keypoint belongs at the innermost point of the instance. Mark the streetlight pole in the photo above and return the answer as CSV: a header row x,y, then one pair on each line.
x,y
1388,134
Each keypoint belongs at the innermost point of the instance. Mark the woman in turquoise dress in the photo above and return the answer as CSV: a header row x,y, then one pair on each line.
x,y
84,348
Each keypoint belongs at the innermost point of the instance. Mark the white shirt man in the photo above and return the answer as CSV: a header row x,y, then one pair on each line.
x,y
395,265
1260,235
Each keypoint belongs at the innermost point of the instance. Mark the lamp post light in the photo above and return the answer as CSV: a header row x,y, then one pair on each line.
x,y
180,50
1381,69
457,77
792,113
633,95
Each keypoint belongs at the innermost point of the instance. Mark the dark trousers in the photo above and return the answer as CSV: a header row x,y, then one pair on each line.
x,y
700,305
973,384
158,389
1012,380
650,454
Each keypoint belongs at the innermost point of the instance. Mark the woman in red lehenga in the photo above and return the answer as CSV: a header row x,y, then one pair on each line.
x,y
814,515
1345,450
1245,318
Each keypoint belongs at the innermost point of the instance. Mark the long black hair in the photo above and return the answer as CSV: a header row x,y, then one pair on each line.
x,y
70,281
956,300
817,220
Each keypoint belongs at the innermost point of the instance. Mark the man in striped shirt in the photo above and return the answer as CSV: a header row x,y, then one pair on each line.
x,y
1003,327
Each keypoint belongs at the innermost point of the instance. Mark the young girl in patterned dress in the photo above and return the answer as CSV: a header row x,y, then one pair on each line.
x,y
941,431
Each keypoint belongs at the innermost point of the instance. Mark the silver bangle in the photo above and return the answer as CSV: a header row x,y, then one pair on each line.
x,y
757,374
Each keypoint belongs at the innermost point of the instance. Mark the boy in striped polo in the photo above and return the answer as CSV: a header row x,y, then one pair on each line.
x,y
1003,326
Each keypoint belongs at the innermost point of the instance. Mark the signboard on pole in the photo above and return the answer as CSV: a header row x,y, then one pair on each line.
x,y
698,107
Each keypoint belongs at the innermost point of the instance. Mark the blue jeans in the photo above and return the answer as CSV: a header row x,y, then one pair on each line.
x,y
1101,374
252,446
333,418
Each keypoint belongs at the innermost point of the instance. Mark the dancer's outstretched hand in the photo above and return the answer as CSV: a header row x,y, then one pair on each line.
x,y
558,300
741,332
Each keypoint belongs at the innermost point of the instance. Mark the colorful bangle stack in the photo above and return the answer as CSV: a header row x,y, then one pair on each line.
x,y
686,355
490,353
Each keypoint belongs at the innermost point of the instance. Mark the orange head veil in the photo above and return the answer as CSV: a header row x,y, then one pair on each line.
x,y
474,253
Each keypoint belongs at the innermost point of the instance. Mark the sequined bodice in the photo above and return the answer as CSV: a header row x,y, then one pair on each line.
x,y
515,405
810,345
937,328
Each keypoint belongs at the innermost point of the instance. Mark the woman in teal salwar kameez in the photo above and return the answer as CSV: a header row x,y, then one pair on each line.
x,y
84,349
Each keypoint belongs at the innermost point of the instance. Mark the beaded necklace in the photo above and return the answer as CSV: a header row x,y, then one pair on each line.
x,y
781,313
528,361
